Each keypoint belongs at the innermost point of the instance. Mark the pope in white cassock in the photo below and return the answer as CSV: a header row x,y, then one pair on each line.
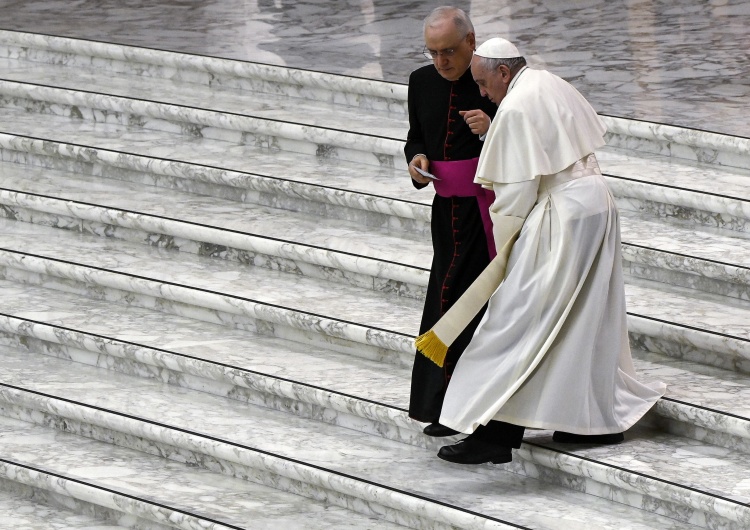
x,y
552,349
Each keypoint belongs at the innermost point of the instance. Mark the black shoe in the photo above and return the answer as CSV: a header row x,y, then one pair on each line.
x,y
473,451
438,430
604,439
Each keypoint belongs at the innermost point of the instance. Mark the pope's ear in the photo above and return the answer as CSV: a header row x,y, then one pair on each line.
x,y
504,72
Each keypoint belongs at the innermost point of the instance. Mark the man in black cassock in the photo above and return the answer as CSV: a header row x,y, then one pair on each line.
x,y
447,118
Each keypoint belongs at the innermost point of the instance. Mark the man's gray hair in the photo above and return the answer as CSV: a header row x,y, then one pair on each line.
x,y
490,64
460,19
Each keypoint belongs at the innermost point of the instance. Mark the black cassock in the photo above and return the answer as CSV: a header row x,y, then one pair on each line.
x,y
458,238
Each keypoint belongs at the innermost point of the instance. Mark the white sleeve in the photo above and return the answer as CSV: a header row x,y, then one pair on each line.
x,y
516,199
512,204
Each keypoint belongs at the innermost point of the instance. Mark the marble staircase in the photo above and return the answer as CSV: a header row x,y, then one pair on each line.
x,y
212,274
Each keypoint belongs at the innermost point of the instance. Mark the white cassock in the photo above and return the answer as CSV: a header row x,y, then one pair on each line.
x,y
552,350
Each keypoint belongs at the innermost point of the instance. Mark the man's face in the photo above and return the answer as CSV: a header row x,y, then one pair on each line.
x,y
493,84
451,51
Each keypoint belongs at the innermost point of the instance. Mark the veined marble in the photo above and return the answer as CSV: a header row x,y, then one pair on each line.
x,y
297,243
324,449
161,341
256,97
138,482
34,509
120,263
300,373
163,516
289,136
669,62
176,152
367,94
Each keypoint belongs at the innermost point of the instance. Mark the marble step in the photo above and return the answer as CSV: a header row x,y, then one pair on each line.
x,y
327,142
671,252
133,485
676,173
702,403
269,103
239,165
23,508
645,193
188,69
343,91
356,320
318,197
360,321
712,262
310,245
395,474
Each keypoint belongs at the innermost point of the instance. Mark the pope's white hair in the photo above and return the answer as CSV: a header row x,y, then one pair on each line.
x,y
491,65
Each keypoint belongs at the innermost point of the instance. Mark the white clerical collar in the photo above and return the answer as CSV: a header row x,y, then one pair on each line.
x,y
515,79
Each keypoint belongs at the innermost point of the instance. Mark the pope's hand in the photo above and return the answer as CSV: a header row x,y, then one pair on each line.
x,y
422,163
477,120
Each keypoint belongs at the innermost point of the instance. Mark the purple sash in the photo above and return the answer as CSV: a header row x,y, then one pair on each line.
x,y
457,180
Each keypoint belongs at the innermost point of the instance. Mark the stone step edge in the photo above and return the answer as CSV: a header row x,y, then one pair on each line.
x,y
555,460
214,175
296,319
264,461
566,463
412,277
108,498
220,372
663,136
396,93
212,235
678,142
620,186
704,201
733,352
721,344
381,205
723,422
309,134
634,481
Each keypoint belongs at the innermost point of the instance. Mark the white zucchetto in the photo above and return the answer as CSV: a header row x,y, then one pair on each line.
x,y
497,48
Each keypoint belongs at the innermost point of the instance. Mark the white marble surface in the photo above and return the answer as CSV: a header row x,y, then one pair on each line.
x,y
89,327
220,220
644,167
262,103
295,300
676,247
670,62
191,497
355,454
20,512
333,380
174,147
206,276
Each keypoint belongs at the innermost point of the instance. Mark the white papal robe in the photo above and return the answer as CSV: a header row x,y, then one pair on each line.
x,y
552,350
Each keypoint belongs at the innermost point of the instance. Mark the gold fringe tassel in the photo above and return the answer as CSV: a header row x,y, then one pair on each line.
x,y
430,345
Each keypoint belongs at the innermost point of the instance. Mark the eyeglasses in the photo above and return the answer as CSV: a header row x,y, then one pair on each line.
x,y
434,54
448,52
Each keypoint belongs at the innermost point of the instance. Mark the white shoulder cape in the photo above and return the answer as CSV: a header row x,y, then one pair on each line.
x,y
542,126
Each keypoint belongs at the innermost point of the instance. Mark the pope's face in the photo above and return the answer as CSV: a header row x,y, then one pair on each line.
x,y
451,52
493,84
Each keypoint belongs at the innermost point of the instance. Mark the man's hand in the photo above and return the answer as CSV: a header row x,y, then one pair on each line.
x,y
422,163
477,120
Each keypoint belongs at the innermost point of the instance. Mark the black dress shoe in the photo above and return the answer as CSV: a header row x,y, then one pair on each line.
x,y
474,451
603,439
438,430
